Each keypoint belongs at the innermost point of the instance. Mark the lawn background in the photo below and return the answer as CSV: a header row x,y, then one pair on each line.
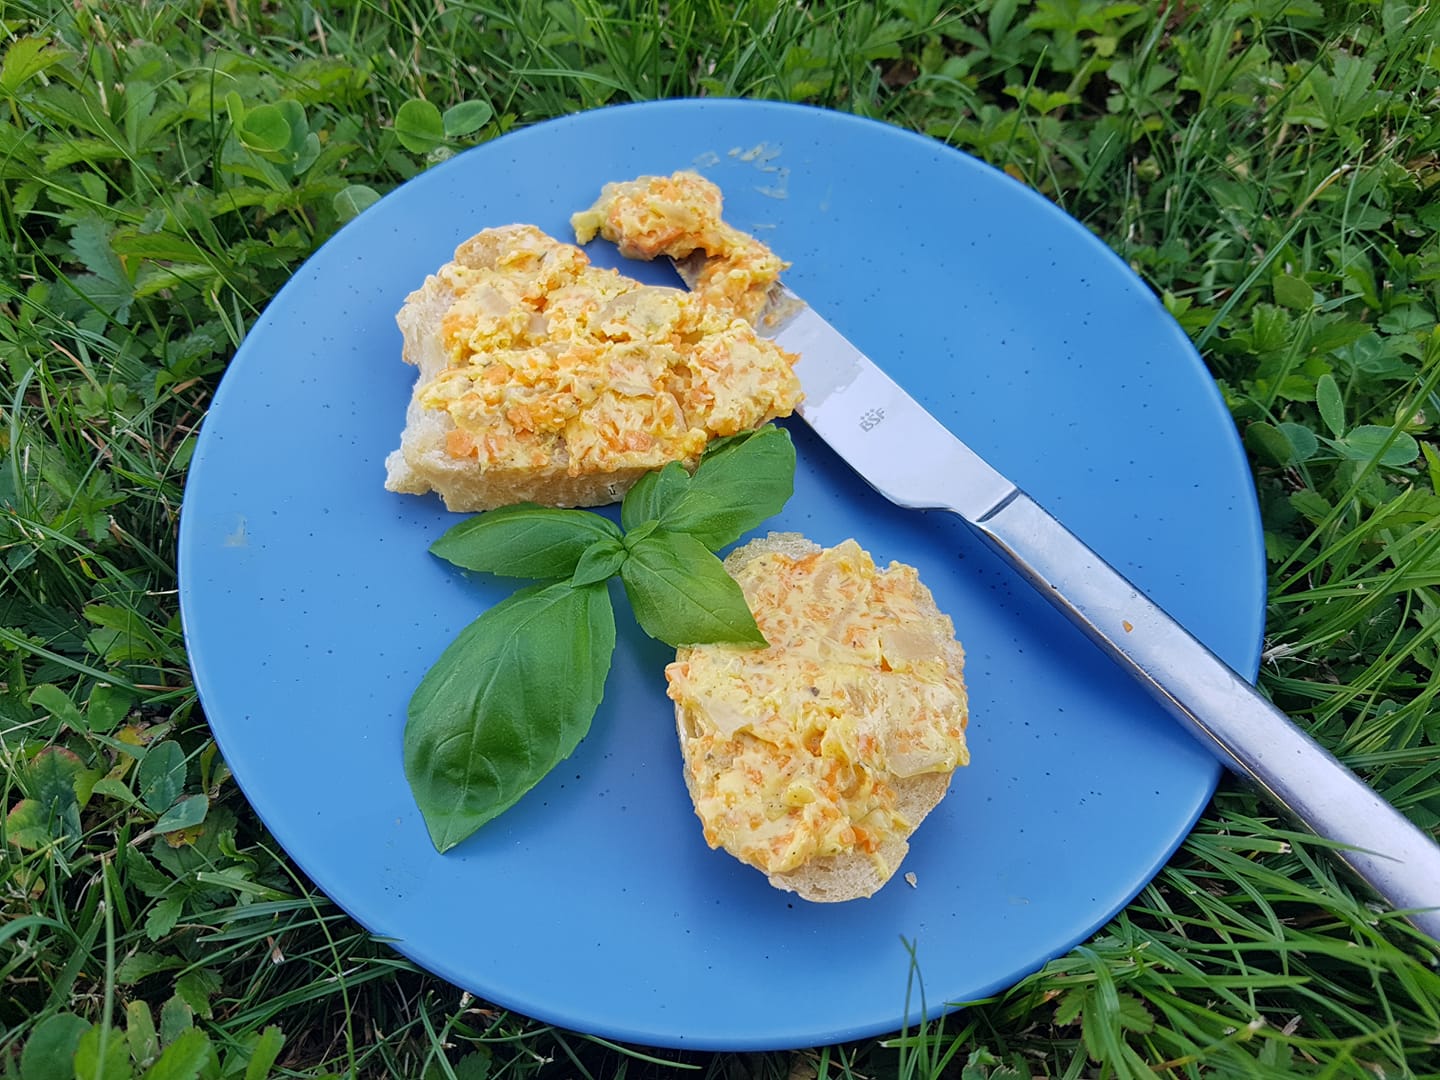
x,y
1269,167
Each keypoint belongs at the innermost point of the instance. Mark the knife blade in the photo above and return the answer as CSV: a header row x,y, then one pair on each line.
x,y
907,455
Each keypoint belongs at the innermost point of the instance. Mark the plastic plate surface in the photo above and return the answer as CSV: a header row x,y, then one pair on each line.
x,y
312,607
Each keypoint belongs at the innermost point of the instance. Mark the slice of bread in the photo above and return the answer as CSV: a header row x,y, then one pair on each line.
x,y
545,379
728,724
423,462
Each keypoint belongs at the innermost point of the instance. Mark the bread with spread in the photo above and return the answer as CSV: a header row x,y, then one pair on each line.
x,y
815,759
544,378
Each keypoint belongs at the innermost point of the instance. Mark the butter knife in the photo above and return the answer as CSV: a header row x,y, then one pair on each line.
x,y
908,456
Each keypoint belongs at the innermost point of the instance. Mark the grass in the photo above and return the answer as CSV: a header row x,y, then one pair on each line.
x,y
1270,167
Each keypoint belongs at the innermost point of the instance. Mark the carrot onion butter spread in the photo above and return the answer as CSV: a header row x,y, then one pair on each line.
x,y
555,361
794,751
678,216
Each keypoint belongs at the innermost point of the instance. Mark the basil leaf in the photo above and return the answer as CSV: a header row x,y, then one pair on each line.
x,y
653,494
602,560
524,540
682,595
741,481
640,532
510,699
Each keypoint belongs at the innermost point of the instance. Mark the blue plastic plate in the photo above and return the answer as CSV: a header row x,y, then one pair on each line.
x,y
312,607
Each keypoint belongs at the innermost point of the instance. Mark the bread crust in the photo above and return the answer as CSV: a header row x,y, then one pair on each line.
x,y
852,875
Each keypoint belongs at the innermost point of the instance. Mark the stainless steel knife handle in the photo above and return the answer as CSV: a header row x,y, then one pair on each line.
x,y
1251,735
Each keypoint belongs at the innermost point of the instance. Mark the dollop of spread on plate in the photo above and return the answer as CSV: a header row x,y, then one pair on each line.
x,y
553,360
677,216
794,749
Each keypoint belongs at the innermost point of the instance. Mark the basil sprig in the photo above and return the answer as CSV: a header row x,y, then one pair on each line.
x,y
515,692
